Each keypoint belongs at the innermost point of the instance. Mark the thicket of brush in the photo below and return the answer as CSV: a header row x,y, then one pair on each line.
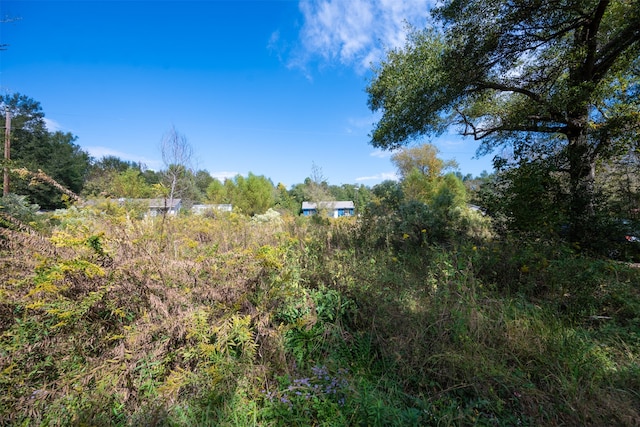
x,y
109,318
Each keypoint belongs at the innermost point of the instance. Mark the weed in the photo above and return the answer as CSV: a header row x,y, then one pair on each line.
x,y
110,318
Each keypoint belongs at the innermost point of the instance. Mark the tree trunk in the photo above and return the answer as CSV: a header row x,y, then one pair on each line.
x,y
581,184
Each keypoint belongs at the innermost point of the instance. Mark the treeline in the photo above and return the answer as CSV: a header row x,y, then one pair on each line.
x,y
252,194
531,196
34,147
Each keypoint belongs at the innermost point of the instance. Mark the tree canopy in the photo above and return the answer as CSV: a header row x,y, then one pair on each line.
x,y
34,147
423,158
548,78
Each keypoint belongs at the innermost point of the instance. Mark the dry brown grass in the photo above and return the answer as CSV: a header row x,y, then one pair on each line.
x,y
159,302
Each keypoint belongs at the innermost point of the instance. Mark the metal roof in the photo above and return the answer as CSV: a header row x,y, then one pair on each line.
x,y
163,203
341,204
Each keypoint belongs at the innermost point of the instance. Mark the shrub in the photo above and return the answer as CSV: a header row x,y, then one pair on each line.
x,y
17,207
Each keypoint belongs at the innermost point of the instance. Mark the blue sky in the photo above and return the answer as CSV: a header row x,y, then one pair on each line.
x,y
269,87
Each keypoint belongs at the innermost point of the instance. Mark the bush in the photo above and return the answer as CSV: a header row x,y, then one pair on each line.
x,y
17,207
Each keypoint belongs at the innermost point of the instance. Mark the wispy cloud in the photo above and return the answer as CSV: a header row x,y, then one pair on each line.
x,y
52,125
379,177
98,152
383,154
355,33
359,124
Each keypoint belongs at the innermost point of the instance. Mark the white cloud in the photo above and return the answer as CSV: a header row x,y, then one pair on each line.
x,y
100,152
52,125
222,175
355,32
379,177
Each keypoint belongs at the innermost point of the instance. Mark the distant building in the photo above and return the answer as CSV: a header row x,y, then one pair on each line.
x,y
201,209
334,209
161,206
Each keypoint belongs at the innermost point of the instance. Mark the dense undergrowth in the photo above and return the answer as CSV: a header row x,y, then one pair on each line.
x,y
111,319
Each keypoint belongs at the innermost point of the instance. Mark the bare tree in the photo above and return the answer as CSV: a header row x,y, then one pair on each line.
x,y
318,189
176,156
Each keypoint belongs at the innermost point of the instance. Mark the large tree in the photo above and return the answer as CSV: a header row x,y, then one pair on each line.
x,y
548,77
34,148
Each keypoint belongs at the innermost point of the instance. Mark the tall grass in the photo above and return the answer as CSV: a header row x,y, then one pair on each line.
x,y
110,318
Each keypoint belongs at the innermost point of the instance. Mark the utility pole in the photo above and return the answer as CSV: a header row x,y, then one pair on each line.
x,y
7,151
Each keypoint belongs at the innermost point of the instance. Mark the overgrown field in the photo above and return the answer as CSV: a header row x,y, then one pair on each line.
x,y
111,319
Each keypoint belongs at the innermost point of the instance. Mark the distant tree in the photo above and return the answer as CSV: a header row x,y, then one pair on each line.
x,y
35,148
360,195
450,195
548,78
388,194
151,177
423,158
416,186
116,164
420,170
104,172
231,189
298,193
253,194
131,184
216,192
474,185
284,200
202,180
317,190
176,156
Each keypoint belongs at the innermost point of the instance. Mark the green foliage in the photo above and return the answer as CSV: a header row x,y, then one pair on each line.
x,y
202,180
131,184
422,158
482,69
286,202
35,148
237,322
251,195
429,211
388,195
529,198
113,177
619,182
216,192
18,207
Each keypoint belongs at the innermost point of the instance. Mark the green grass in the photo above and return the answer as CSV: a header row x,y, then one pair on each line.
x,y
110,320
